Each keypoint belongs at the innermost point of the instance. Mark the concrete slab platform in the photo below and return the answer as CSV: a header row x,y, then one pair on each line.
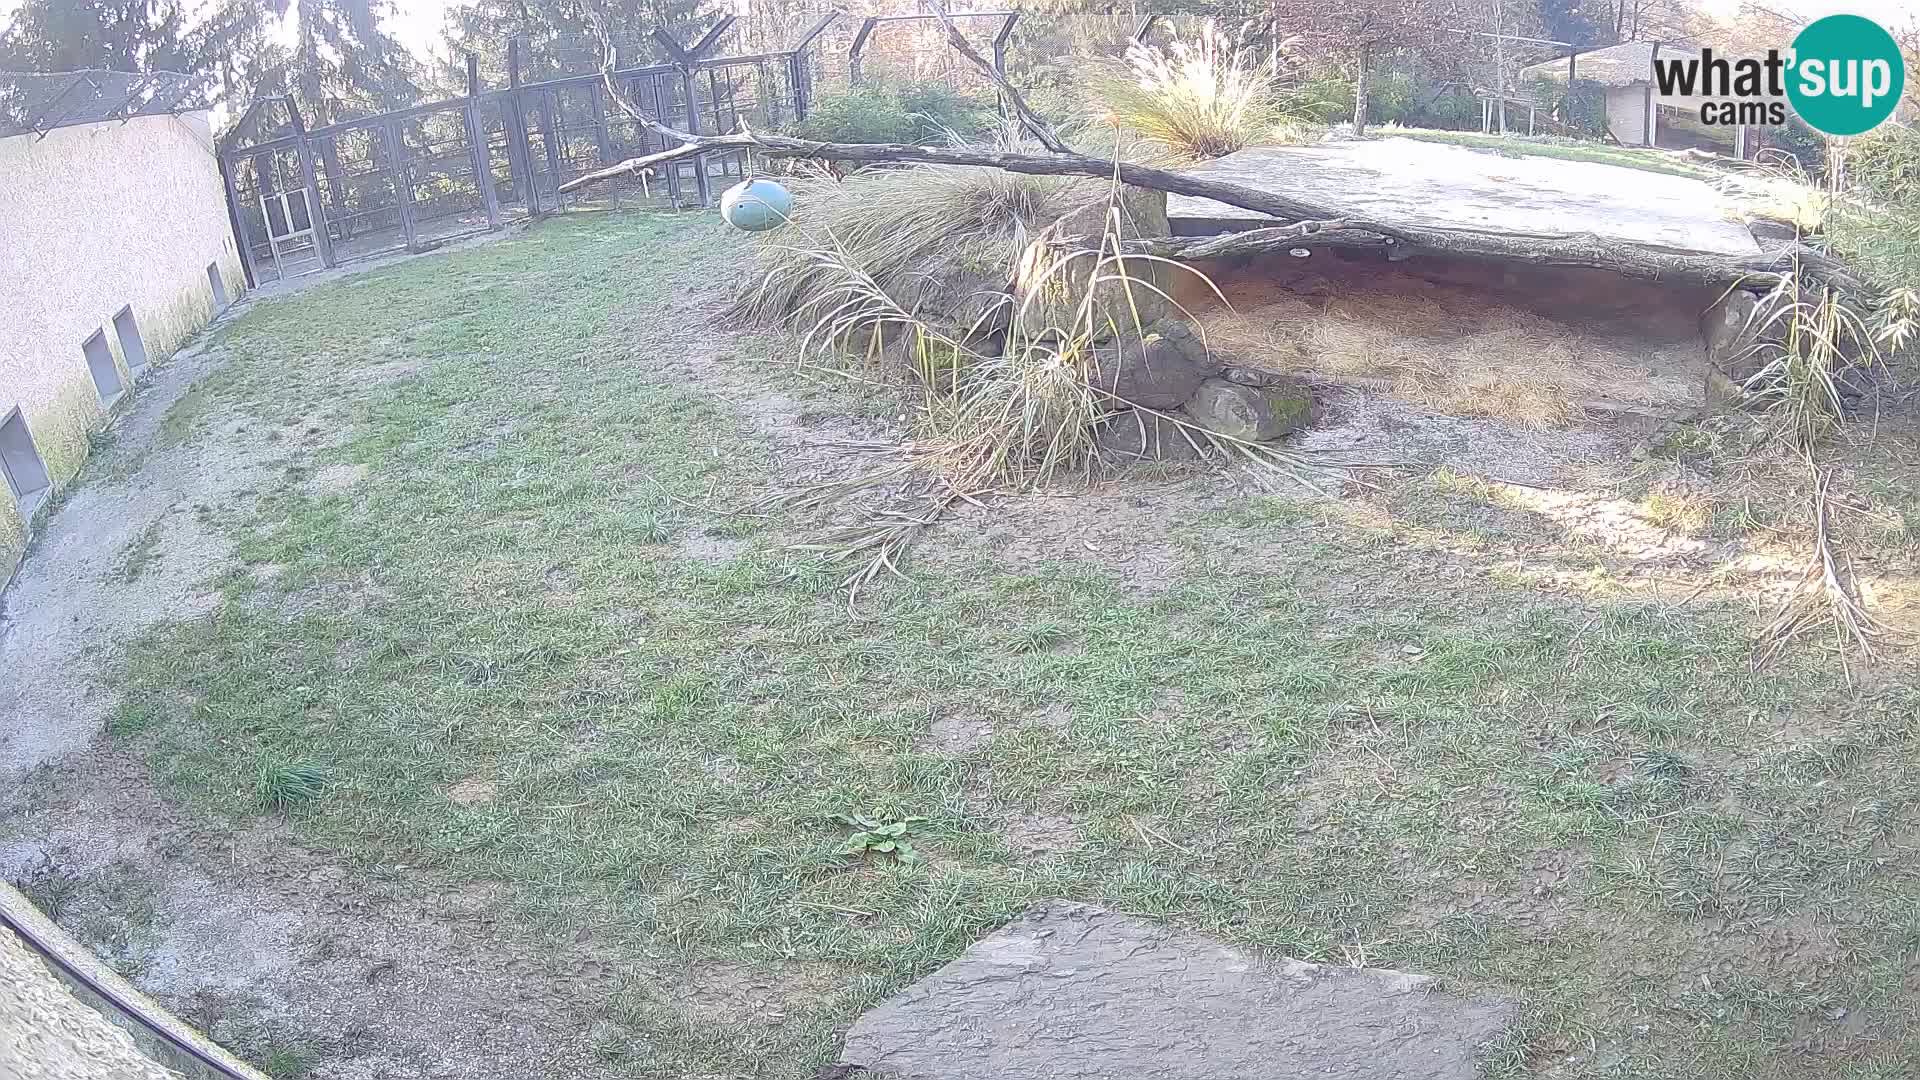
x,y
1436,184
1072,991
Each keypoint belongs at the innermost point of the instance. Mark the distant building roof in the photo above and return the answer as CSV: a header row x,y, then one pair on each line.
x,y
1629,63
1624,64
40,102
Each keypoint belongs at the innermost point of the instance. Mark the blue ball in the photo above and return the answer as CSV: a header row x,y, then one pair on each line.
x,y
756,205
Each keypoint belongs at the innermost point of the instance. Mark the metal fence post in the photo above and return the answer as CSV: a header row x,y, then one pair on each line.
x,y
700,183
316,214
673,167
482,165
597,93
1000,56
854,73
550,136
477,144
519,152
237,221
1000,43
402,183
796,73
802,73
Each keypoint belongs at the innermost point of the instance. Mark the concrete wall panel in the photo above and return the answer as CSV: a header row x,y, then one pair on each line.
x,y
92,219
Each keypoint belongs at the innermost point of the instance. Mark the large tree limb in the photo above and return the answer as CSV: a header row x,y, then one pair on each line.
x,y
1311,224
1328,226
1761,270
1059,164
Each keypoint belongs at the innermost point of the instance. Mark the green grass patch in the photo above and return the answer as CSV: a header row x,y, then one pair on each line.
x,y
1350,756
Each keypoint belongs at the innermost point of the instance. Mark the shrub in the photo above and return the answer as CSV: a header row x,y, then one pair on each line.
x,y
914,112
1409,99
1325,99
1877,224
1199,100
1884,165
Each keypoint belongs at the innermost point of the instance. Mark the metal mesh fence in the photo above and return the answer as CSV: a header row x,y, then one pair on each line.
x,y
41,103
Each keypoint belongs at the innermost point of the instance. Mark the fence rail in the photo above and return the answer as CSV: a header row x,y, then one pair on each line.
x,y
417,177
305,199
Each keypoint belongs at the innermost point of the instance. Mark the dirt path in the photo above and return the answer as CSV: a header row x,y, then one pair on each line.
x,y
277,951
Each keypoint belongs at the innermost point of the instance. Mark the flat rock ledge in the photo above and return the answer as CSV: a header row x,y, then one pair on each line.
x,y
1074,991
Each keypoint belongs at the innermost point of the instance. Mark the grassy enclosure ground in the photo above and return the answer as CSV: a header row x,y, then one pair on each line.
x,y
486,634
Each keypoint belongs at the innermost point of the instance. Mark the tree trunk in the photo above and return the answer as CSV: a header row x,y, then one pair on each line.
x,y
1360,81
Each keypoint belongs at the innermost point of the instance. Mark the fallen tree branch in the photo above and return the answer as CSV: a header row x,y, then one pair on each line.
x,y
1028,118
1060,164
629,166
1825,594
1760,271
1326,226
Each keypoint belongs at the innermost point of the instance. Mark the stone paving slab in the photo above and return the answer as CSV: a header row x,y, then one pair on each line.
x,y
1426,183
1074,992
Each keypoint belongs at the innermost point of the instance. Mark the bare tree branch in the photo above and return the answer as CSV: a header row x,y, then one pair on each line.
x,y
1028,118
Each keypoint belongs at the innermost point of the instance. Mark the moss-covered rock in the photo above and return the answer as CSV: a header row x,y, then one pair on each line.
x,y
1250,413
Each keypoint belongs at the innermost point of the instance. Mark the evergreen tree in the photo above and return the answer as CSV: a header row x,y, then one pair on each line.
x,y
562,37
115,35
338,65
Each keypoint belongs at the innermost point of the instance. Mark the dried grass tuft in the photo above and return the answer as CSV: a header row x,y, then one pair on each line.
x,y
937,240
1020,416
1197,100
1826,595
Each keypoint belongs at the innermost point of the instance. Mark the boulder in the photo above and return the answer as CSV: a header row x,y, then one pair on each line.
x,y
1252,376
1058,268
1250,413
1131,437
1728,328
1159,369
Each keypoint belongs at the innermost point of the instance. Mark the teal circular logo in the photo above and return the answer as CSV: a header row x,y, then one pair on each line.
x,y
1847,75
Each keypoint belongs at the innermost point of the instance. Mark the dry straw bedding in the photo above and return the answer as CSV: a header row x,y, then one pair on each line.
x,y
1442,347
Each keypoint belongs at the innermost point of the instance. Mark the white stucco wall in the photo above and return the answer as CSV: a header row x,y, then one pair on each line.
x,y
94,218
